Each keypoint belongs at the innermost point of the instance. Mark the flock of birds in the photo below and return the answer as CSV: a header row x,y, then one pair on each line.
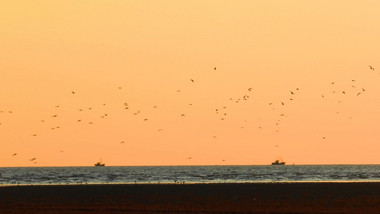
x,y
221,112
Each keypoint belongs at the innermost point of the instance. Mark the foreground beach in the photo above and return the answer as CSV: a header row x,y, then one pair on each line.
x,y
354,197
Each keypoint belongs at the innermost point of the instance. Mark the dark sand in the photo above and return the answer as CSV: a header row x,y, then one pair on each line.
x,y
194,198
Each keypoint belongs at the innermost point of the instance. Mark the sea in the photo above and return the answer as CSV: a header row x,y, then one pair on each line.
x,y
187,174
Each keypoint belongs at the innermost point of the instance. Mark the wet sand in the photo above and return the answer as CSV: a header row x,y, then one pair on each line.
x,y
193,198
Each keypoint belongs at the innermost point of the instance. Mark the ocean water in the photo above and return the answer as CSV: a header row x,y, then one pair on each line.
x,y
187,174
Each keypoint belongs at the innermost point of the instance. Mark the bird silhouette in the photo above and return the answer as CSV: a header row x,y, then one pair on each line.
x,y
192,80
372,68
14,154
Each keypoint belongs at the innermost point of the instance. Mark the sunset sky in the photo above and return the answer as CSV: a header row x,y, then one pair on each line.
x,y
69,69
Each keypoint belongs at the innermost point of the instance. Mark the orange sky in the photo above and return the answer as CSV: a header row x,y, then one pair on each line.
x,y
142,52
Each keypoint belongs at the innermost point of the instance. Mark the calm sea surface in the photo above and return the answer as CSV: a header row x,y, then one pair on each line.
x,y
187,174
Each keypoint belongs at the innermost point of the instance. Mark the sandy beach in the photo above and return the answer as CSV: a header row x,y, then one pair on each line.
x,y
193,198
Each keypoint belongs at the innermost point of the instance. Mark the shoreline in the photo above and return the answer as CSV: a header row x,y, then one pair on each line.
x,y
188,183
310,197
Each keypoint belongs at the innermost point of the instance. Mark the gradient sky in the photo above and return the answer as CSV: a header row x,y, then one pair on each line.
x,y
143,54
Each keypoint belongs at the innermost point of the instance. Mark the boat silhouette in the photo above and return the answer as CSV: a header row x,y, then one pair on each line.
x,y
99,164
277,162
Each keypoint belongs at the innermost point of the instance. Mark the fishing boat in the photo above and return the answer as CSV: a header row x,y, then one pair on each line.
x,y
99,164
277,162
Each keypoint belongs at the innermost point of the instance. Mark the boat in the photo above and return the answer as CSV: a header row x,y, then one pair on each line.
x,y
99,164
277,162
